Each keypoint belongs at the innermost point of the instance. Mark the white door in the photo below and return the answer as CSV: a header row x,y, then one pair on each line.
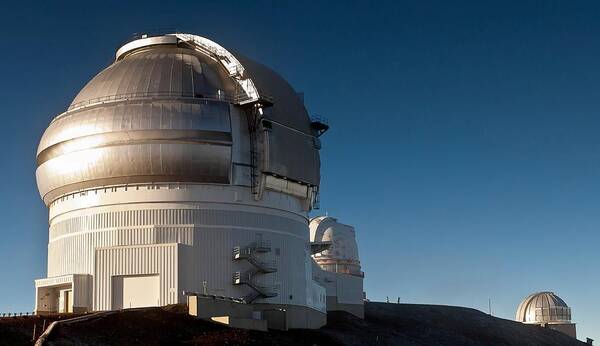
x,y
69,301
136,291
65,301
62,302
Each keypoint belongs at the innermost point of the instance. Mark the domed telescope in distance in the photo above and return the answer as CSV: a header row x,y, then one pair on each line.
x,y
547,310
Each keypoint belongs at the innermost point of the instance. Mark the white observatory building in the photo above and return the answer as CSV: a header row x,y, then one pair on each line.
x,y
548,310
337,265
183,167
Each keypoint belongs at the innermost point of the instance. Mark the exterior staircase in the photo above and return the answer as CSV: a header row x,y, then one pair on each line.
x,y
259,266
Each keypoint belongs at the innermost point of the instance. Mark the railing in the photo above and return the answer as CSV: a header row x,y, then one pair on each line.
x,y
213,296
237,98
16,314
259,291
263,266
219,52
257,246
150,33
221,96
261,245
319,119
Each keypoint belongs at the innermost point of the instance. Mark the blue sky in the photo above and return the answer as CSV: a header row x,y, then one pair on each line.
x,y
464,145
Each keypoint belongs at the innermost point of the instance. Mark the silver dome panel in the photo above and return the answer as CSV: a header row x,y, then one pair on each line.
x,y
543,307
161,113
137,141
158,71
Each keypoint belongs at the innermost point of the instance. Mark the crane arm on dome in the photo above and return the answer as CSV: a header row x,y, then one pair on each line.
x,y
229,62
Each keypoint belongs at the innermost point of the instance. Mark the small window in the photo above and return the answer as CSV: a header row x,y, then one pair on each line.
x,y
277,251
291,297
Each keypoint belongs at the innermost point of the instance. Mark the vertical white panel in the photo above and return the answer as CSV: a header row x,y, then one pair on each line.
x,y
126,239
159,260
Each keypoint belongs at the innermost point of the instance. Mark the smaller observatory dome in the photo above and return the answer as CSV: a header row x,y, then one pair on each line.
x,y
543,307
342,255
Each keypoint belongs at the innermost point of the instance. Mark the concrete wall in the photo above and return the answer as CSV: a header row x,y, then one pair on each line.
x,y
294,317
207,220
357,310
280,317
207,307
48,293
344,291
159,259
567,328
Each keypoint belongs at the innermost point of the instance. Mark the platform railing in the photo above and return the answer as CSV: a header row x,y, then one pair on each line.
x,y
16,314
221,96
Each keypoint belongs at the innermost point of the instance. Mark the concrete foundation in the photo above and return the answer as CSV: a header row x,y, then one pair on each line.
x,y
207,307
357,310
284,317
566,328
242,323
280,317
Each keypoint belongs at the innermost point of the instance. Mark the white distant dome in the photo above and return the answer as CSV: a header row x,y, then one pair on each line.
x,y
342,255
543,307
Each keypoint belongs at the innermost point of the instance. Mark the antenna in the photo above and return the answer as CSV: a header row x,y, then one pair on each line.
x,y
490,305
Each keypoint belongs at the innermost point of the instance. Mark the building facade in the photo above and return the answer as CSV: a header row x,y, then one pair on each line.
x,y
337,264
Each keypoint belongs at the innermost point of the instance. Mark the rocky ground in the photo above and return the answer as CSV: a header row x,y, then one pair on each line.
x,y
385,324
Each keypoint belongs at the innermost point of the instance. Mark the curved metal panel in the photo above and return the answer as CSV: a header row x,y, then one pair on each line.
x,y
291,149
138,115
159,70
146,112
133,163
133,137
288,109
144,42
235,69
137,141
292,154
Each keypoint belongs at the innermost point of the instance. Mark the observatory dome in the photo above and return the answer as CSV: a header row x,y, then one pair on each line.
x,y
182,168
342,254
543,307
161,113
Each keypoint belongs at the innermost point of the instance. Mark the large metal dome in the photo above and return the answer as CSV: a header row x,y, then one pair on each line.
x,y
181,168
161,113
543,307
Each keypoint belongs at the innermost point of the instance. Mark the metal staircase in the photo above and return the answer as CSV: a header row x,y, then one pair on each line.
x,y
259,267
248,92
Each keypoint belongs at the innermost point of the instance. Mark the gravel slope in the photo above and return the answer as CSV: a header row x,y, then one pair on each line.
x,y
385,324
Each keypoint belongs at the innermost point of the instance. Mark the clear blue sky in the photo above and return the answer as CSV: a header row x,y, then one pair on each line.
x,y
464,144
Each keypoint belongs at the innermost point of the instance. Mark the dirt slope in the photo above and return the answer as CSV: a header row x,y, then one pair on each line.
x,y
385,324
412,324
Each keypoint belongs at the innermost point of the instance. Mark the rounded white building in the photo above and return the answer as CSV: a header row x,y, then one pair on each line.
x,y
337,264
341,256
180,167
546,309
